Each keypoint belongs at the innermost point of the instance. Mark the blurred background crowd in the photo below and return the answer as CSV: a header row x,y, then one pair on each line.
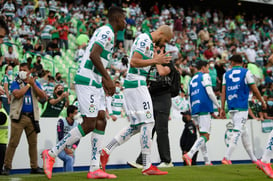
x,y
51,37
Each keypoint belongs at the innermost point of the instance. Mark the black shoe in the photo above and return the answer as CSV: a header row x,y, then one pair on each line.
x,y
6,171
37,170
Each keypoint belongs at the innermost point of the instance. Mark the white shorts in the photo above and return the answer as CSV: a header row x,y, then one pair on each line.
x,y
239,119
204,122
138,105
91,100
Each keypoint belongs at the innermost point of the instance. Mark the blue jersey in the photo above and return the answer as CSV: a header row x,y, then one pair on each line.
x,y
27,104
199,99
236,81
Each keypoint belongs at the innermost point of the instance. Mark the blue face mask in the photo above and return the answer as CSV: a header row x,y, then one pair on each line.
x,y
270,103
10,72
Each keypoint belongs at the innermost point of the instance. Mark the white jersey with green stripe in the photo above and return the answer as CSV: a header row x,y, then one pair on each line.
x,y
87,73
144,46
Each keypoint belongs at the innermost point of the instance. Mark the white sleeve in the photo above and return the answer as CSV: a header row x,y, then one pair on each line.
x,y
249,78
224,79
212,96
206,80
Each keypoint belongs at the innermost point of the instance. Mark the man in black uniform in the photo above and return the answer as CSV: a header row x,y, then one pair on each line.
x,y
189,136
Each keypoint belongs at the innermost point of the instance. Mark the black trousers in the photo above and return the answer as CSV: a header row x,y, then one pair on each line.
x,y
161,107
3,148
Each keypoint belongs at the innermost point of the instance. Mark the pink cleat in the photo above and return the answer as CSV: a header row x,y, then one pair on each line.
x,y
104,156
265,167
153,170
187,159
99,174
48,162
226,162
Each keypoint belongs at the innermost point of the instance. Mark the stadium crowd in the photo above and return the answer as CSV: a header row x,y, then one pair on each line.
x,y
51,36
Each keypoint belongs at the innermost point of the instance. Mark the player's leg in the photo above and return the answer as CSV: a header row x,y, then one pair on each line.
x,y
247,144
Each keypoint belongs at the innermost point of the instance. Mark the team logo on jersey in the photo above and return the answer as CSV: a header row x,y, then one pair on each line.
x,y
228,133
92,108
142,44
103,36
148,114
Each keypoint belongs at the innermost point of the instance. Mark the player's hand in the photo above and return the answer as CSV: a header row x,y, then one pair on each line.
x,y
222,113
264,106
162,58
68,151
109,86
114,118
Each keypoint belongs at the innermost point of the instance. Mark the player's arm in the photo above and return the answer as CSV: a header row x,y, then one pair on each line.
x,y
95,58
163,70
250,81
138,61
207,84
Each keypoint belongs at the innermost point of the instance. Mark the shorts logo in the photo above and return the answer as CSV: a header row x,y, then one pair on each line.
x,y
148,114
92,108
228,133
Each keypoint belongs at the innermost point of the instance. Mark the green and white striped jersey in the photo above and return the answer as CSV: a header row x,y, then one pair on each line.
x,y
87,73
144,46
117,103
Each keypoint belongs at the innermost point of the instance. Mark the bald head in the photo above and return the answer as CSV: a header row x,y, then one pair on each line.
x,y
166,30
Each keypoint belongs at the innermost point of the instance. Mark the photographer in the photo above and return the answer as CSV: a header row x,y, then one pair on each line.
x,y
56,102
24,115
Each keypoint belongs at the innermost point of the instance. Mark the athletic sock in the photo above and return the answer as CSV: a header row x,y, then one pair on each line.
x,y
96,142
73,136
146,143
248,146
233,143
197,145
204,151
268,149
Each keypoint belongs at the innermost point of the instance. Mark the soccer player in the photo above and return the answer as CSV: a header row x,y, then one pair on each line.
x,y
202,99
138,103
91,81
237,83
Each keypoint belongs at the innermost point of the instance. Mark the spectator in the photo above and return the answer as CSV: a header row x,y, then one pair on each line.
x,y
53,49
38,67
9,9
189,136
65,125
24,115
28,46
255,109
63,30
45,33
128,38
51,17
42,8
4,123
268,113
49,86
177,26
213,73
6,83
11,58
57,102
38,47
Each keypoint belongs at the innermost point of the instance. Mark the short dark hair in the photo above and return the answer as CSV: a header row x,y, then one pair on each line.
x,y
114,12
200,64
24,65
236,58
71,109
4,25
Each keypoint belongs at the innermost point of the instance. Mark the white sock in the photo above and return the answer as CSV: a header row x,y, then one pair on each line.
x,y
204,151
268,149
124,135
248,146
233,143
73,136
197,145
146,143
96,142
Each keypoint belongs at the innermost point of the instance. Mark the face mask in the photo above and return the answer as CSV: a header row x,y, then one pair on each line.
x,y
60,92
10,72
59,78
211,65
117,74
117,90
270,103
76,117
51,84
22,75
